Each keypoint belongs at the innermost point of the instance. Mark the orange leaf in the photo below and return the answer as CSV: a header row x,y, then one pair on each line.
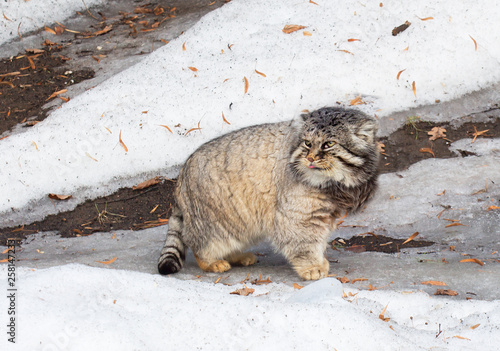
x,y
441,193
165,41
426,149
475,43
121,141
447,292
312,2
475,260
224,118
433,282
4,260
244,291
36,146
246,84
413,236
475,326
399,73
356,101
262,74
453,225
193,129
414,88
351,40
30,60
460,337
381,315
57,93
147,183
103,31
297,286
164,126
59,30
184,46
493,208
60,197
347,52
8,19
194,69
50,30
358,280
261,281
108,262
426,18
290,28
307,34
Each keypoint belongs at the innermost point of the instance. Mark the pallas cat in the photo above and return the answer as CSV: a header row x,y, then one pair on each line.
x,y
286,181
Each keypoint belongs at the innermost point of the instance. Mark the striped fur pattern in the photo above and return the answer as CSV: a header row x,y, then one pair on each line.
x,y
286,181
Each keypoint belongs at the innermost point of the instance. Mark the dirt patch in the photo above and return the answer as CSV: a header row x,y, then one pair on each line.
x,y
29,80
378,243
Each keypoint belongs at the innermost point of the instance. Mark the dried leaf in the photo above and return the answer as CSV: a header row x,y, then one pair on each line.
x,y
399,73
475,326
307,34
358,280
60,197
475,43
103,31
401,28
36,146
8,19
414,88
381,315
193,129
50,30
147,183
121,141
164,126
30,60
194,69
475,260
4,260
244,291
441,193
246,84
433,282
426,18
460,337
343,280
312,2
108,262
493,208
261,281
428,150
165,41
10,74
224,118
153,210
59,30
454,225
184,46
351,40
357,101
53,95
413,236
447,292
347,52
297,286
290,28
34,51
260,73
437,133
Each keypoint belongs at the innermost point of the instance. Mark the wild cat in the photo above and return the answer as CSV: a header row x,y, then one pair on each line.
x,y
286,181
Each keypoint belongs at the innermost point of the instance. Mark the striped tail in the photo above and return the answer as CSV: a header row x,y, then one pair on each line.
x,y
173,253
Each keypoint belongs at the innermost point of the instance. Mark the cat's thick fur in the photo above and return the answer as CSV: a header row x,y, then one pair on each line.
x,y
286,181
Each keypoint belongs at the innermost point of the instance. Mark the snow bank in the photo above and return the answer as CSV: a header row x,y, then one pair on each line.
x,y
81,308
23,16
198,77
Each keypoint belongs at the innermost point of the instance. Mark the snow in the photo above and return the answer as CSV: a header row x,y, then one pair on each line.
x,y
125,305
23,16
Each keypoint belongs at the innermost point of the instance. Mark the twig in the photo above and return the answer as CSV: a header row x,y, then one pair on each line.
x,y
91,15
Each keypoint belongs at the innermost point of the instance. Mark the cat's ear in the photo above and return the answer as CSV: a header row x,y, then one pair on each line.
x,y
367,130
305,116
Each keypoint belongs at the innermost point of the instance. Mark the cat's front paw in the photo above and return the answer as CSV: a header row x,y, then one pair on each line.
x,y
242,259
314,272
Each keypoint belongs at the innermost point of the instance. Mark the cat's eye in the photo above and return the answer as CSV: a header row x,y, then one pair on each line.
x,y
328,144
307,143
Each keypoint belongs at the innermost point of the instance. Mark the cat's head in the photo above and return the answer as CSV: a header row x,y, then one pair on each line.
x,y
335,145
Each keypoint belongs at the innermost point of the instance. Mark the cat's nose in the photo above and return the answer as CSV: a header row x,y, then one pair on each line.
x,y
310,158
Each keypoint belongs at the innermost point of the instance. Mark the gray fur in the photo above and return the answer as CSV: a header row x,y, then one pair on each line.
x,y
287,181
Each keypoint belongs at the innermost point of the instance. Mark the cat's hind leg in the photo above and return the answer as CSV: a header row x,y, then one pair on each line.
x,y
216,266
242,258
